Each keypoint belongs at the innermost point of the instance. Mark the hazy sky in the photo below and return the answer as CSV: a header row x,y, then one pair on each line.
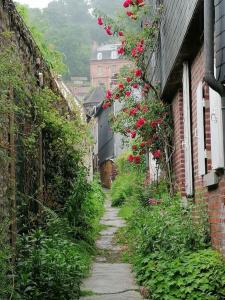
x,y
35,3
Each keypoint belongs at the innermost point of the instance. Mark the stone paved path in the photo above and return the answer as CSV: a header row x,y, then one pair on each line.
x,y
110,279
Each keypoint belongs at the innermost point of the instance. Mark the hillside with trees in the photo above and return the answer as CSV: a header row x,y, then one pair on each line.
x,y
72,30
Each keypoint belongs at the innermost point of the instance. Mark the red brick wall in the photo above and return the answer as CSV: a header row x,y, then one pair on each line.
x,y
213,198
178,156
108,68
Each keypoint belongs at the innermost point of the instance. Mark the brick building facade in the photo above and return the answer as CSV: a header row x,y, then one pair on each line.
x,y
104,64
198,158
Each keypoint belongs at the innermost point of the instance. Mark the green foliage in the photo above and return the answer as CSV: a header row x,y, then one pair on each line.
x,y
168,244
56,230
53,57
83,209
5,268
128,181
50,267
53,260
193,276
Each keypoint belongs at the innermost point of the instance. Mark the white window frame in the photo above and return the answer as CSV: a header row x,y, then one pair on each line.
x,y
99,56
114,55
187,131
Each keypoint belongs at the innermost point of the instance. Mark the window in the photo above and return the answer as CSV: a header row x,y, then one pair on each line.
x,y
114,55
99,56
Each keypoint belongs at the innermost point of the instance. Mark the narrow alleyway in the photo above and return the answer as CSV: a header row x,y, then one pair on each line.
x,y
110,279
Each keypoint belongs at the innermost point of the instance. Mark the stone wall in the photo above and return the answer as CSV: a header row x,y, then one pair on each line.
x,y
34,66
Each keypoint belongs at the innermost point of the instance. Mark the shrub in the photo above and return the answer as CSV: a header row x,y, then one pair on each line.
x,y
83,209
168,228
52,260
5,270
50,267
128,181
194,276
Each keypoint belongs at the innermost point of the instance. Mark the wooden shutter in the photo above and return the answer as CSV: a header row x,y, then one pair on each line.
x,y
217,152
200,131
187,131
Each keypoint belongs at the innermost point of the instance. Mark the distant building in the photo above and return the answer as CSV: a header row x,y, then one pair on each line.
x,y
104,64
79,87
94,98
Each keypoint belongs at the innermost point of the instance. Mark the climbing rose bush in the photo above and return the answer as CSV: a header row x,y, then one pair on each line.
x,y
144,118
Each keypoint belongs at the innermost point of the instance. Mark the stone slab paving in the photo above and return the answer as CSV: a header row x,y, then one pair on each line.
x,y
110,279
122,296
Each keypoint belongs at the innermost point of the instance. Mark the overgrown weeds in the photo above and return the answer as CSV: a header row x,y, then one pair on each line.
x,y
169,246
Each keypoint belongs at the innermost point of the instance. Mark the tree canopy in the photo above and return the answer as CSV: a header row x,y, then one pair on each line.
x,y
72,29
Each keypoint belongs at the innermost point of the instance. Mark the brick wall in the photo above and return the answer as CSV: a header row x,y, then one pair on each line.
x,y
102,71
213,198
178,156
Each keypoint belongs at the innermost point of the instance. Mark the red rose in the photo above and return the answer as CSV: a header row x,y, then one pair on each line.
x,y
121,50
135,86
153,124
134,52
140,49
128,93
108,30
140,122
117,96
130,158
143,144
129,13
137,159
140,2
106,105
127,3
133,111
120,33
156,154
108,94
121,86
138,73
133,134
100,22
138,106
129,79
134,147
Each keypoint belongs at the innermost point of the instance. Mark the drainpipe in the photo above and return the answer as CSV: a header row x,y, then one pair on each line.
x,y
209,21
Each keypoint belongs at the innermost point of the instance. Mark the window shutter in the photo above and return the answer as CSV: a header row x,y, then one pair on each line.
x,y
200,131
187,131
153,168
216,130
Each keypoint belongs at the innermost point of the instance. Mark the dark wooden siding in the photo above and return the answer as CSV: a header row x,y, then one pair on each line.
x,y
105,136
220,38
176,20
